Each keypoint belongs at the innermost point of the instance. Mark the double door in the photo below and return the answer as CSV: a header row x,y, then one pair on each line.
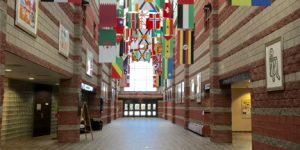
x,y
140,109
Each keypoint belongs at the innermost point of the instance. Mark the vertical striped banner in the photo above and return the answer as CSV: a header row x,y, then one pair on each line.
x,y
117,68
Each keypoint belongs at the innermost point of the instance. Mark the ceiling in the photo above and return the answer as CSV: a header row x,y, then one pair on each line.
x,y
22,69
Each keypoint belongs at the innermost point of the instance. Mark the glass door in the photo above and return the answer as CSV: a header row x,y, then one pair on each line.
x,y
140,109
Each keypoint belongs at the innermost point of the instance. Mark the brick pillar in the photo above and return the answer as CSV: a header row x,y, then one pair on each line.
x,y
186,96
109,102
98,89
2,59
69,116
115,103
94,105
165,102
220,96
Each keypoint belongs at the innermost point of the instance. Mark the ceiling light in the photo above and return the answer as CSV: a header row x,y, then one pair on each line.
x,y
31,78
8,70
56,83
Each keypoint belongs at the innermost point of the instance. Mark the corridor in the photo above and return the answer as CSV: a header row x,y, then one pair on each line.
x,y
135,134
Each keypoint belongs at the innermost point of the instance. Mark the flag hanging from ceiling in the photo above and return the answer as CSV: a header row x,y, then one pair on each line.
x,y
160,3
153,22
107,37
167,12
144,37
63,1
132,20
185,1
167,46
156,80
251,2
186,16
107,19
119,27
141,55
108,54
168,28
170,68
164,74
117,69
147,5
125,65
120,8
185,47
122,48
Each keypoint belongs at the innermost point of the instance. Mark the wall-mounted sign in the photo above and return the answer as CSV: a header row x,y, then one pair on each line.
x,y
87,87
207,86
64,41
274,65
27,15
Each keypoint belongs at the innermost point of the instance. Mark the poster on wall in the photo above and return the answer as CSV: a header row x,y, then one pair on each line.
x,y
274,65
192,90
89,63
199,90
26,15
64,41
246,108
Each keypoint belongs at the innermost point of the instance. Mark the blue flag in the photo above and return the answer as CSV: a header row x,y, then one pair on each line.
x,y
170,68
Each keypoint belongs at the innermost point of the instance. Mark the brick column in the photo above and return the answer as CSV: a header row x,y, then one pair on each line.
x,y
98,89
165,102
69,92
109,103
220,96
2,59
94,106
186,96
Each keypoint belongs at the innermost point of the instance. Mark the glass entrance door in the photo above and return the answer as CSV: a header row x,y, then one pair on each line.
x,y
140,109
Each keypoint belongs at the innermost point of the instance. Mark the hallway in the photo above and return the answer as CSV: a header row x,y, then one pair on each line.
x,y
135,134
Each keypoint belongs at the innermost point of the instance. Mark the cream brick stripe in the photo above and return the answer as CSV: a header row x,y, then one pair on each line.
x,y
2,69
220,127
293,77
275,142
198,122
68,127
277,111
179,117
68,108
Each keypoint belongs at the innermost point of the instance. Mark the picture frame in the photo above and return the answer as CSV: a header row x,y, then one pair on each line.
x,y
64,41
27,15
192,89
246,108
274,65
199,88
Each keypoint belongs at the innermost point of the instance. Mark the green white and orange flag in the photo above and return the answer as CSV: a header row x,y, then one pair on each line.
x,y
185,47
117,68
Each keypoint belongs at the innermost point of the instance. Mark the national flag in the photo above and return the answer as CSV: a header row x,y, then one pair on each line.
x,y
147,5
141,55
158,48
144,37
63,1
153,22
251,2
117,69
107,19
156,79
185,47
132,20
160,3
167,46
122,48
170,68
125,65
185,1
119,27
164,68
186,16
167,12
119,37
120,8
108,54
107,37
168,28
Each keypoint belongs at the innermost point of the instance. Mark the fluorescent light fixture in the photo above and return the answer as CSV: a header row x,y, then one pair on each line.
x,y
31,78
8,70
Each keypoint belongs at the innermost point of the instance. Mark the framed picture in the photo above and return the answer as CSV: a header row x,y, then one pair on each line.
x,y
246,108
199,90
192,89
274,65
89,63
64,41
26,15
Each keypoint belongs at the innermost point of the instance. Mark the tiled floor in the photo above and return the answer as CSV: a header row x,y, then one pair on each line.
x,y
135,134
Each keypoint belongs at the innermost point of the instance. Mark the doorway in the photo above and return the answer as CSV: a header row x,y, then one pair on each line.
x,y
143,108
42,110
241,112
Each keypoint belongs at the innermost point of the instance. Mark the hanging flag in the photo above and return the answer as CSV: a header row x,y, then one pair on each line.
x,y
119,27
153,22
185,1
164,69
168,28
120,8
167,12
170,68
158,48
119,37
117,69
63,1
251,2
185,47
186,16
122,48
108,54
107,37
132,20
107,19
144,37
147,5
167,46
141,55
160,3
125,65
